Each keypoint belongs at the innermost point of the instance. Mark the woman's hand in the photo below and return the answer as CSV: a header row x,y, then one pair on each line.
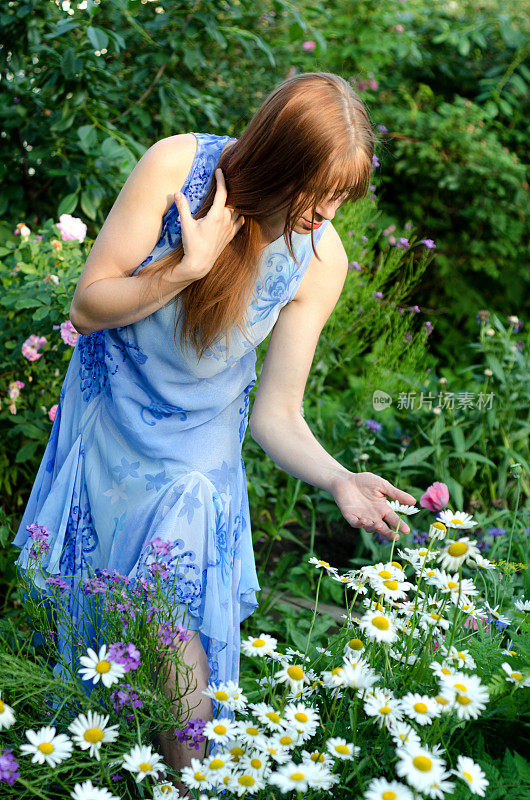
x,y
361,499
204,239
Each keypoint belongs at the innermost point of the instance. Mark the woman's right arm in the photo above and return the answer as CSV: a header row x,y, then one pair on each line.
x,y
107,295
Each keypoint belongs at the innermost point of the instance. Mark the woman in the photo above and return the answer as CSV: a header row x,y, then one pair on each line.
x,y
146,442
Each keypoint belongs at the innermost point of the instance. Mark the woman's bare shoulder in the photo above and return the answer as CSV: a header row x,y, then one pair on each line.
x,y
175,156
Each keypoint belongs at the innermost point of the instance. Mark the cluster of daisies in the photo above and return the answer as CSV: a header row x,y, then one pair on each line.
x,y
411,624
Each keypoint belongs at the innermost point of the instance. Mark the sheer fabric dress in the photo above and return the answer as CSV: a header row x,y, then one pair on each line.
x,y
147,442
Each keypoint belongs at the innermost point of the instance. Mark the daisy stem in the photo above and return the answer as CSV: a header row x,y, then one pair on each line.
x,y
453,627
394,539
413,625
314,614
514,519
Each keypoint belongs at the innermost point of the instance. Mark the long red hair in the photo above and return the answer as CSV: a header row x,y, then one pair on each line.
x,y
311,139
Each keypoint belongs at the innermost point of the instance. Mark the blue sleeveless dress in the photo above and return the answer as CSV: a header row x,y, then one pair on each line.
x,y
147,442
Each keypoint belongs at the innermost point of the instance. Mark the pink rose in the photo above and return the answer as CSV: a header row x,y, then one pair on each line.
x,y
436,497
69,334
30,346
309,46
53,411
72,227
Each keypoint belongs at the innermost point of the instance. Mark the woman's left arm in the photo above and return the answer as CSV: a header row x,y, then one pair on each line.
x,y
276,422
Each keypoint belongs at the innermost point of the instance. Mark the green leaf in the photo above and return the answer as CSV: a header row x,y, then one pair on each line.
x,y
87,205
98,37
26,452
458,438
40,313
495,365
68,204
471,457
88,137
417,456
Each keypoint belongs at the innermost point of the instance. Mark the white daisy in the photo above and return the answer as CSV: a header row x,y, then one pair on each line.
x,y
259,646
391,588
470,694
7,716
218,767
90,731
143,761
318,757
358,675
402,509
293,776
340,748
403,733
515,677
353,647
456,519
478,560
46,746
454,554
382,705
268,715
245,782
87,791
522,604
381,789
384,571
323,565
304,719
437,530
220,730
431,619
272,748
194,776
294,675
495,613
97,665
229,695
420,766
453,586
378,626
439,788
420,708
471,774
256,763
165,791
248,732
287,739
461,657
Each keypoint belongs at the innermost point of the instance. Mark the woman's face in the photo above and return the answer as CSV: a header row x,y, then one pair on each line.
x,y
324,211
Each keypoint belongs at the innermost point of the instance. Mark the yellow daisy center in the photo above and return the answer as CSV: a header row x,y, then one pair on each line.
x,y
255,763
436,616
286,740
392,585
217,763
343,749
452,585
445,671
389,796
295,673
93,735
46,748
355,644
259,643
397,564
246,780
458,549
198,776
220,729
467,776
457,521
460,687
103,666
385,574
438,525
252,731
421,708
463,700
166,788
318,757
385,710
422,763
323,563
273,716
381,623
461,655
297,776
442,701
220,695
517,676
2,707
145,767
236,753
301,717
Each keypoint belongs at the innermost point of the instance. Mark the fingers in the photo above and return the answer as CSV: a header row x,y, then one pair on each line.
x,y
373,526
392,518
181,202
402,497
221,193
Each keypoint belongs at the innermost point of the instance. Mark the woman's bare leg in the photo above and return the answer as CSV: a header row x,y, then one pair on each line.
x,y
194,704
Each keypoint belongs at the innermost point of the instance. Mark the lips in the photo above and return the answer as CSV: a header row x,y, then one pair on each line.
x,y
316,225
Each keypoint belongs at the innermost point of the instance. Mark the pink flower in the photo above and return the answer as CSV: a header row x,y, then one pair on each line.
x,y
53,278
72,227
309,46
69,334
291,73
52,412
30,346
14,388
436,497
399,28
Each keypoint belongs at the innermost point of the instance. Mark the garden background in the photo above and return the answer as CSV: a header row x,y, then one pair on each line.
x,y
435,306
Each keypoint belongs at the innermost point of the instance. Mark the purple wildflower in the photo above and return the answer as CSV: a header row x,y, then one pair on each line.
x,y
402,242
429,326
428,243
8,767
126,654
373,424
125,696
39,540
191,733
173,636
378,294
382,128
375,162
496,532
355,265
161,547
58,581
